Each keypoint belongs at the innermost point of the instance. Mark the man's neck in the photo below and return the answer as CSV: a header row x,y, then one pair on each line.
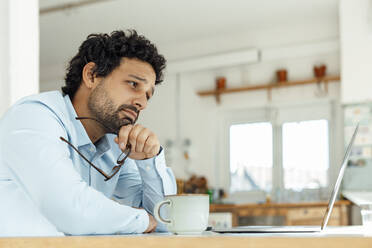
x,y
93,128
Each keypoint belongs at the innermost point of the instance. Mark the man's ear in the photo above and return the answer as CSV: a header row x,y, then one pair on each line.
x,y
88,77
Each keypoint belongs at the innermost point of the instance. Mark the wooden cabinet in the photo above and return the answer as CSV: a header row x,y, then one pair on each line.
x,y
311,216
288,213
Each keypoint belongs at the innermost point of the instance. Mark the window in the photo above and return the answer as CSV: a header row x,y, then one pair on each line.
x,y
251,156
305,154
284,151
302,146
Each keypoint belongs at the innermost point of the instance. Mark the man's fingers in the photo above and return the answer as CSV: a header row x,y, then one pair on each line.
x,y
152,224
153,230
149,145
141,140
132,138
155,150
123,136
144,143
152,146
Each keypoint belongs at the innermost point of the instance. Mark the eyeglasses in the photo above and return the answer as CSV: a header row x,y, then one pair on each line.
x,y
119,162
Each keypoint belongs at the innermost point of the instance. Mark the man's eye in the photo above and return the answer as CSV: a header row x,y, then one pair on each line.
x,y
133,84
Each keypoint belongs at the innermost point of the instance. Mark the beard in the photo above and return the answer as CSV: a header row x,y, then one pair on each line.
x,y
103,109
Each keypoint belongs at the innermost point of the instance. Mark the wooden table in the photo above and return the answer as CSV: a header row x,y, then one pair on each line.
x,y
304,213
203,241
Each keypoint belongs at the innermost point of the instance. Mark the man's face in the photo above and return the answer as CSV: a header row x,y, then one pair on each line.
x,y
119,97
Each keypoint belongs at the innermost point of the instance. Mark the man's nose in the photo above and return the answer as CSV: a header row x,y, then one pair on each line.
x,y
141,102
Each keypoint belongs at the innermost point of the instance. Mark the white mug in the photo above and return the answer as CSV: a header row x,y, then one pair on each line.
x,y
188,213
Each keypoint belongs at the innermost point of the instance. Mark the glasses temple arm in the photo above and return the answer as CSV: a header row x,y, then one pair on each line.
x,y
95,167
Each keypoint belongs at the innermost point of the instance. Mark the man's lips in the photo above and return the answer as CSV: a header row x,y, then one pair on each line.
x,y
132,114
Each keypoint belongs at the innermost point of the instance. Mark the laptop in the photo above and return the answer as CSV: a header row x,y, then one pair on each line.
x,y
299,229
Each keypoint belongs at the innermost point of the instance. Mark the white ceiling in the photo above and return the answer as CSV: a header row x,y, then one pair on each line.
x,y
168,22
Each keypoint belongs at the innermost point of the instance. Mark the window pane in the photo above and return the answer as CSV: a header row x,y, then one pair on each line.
x,y
251,156
305,154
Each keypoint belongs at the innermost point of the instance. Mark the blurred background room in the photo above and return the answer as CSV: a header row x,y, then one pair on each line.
x,y
259,100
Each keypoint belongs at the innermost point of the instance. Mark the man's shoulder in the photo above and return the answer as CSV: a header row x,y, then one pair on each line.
x,y
36,107
52,100
50,97
39,111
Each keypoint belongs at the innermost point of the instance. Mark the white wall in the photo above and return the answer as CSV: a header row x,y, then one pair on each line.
x,y
5,56
356,50
19,47
276,36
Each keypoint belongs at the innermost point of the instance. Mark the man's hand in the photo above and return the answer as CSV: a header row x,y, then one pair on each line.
x,y
152,224
144,142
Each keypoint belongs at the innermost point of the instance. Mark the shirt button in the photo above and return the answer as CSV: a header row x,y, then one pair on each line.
x,y
148,168
91,149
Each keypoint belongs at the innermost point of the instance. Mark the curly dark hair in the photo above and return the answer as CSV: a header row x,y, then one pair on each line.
x,y
106,51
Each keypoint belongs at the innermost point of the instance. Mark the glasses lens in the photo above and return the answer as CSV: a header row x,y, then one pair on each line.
x,y
123,156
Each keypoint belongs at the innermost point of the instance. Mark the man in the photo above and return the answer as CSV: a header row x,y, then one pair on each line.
x,y
63,165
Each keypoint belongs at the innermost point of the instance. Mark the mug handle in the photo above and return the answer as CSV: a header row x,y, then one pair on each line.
x,y
157,212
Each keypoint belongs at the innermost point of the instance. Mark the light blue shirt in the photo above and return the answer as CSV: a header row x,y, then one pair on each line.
x,y
47,189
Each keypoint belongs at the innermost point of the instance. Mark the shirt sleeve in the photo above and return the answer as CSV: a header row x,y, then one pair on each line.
x,y
143,183
40,164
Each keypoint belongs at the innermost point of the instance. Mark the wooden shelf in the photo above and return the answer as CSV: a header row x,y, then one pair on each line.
x,y
270,86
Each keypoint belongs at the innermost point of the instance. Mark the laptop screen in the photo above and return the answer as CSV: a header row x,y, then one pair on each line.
x,y
339,179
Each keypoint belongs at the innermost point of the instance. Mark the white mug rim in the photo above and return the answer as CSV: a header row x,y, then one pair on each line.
x,y
187,195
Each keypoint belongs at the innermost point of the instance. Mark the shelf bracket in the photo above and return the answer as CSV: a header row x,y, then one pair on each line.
x,y
218,96
269,95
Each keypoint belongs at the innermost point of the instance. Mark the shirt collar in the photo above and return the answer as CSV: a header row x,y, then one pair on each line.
x,y
81,134
103,145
